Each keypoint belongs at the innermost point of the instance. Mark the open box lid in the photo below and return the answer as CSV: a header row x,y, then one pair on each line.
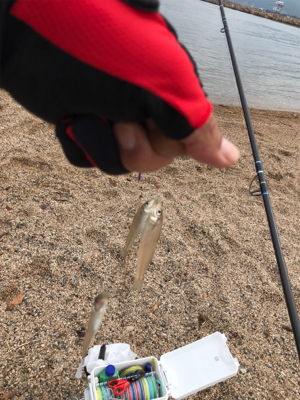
x,y
198,365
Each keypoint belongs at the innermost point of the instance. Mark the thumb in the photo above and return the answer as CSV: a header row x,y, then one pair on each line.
x,y
207,145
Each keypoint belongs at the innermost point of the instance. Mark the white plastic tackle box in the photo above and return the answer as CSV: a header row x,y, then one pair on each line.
x,y
186,370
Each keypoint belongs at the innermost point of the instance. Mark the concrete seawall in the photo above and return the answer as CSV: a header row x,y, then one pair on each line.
x,y
260,13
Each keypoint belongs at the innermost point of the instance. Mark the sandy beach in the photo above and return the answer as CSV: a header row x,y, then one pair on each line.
x,y
62,231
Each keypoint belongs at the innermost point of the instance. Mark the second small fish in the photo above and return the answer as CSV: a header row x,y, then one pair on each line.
x,y
147,221
95,320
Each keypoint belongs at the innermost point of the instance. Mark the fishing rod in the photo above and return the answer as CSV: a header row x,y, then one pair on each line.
x,y
289,298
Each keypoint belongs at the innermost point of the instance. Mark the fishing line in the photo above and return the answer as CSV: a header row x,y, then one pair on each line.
x,y
130,370
147,387
289,298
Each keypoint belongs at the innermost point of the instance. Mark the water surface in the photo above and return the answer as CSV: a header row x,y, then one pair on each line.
x,y
267,53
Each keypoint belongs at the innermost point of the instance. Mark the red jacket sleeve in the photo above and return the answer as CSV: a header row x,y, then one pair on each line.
x,y
125,43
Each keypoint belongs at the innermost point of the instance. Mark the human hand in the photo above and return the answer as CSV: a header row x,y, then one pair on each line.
x,y
92,68
146,148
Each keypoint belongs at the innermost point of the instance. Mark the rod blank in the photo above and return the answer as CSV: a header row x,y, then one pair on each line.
x,y
289,298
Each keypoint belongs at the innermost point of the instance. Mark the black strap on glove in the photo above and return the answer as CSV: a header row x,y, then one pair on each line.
x,y
88,141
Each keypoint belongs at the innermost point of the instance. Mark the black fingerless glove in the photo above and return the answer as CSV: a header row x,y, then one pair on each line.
x,y
84,65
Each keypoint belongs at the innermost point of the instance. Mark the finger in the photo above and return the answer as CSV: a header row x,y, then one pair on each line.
x,y
161,144
206,145
135,149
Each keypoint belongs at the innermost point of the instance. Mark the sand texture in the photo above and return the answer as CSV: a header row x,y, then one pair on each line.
x,y
62,231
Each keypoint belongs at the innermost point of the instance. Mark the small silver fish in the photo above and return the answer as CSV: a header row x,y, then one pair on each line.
x,y
147,221
96,316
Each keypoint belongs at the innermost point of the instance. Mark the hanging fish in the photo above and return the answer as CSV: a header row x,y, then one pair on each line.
x,y
96,316
147,221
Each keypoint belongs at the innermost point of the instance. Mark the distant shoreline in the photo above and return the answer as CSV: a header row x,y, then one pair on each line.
x,y
260,13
